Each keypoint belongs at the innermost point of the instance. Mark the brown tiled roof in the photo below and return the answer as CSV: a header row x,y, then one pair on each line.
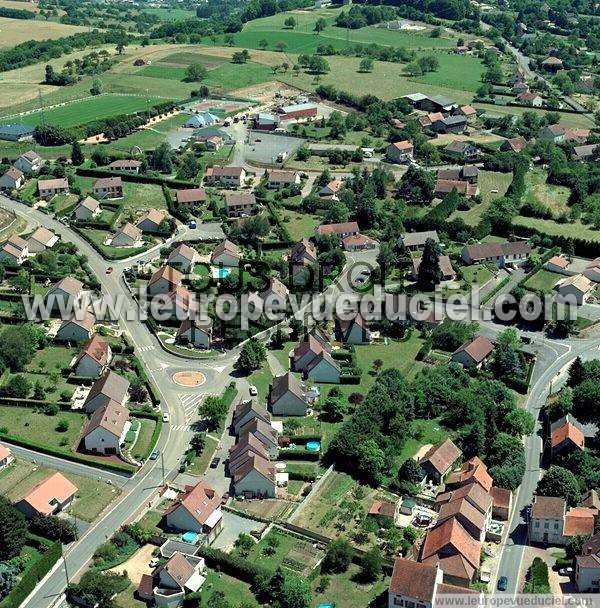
x,y
239,198
502,497
179,568
275,287
180,298
125,163
579,281
383,509
248,443
445,265
413,579
259,425
254,462
308,344
129,230
346,325
416,239
184,251
478,348
548,507
14,173
227,246
243,408
200,501
343,227
152,215
89,202
357,240
403,145
301,250
190,195
51,184
568,432
69,285
107,182
112,385
441,456
472,492
87,321
169,273
579,521
591,500
288,177
472,471
56,487
217,172
323,356
462,508
112,417
97,348
517,144
445,186
456,566
448,538
444,589
559,261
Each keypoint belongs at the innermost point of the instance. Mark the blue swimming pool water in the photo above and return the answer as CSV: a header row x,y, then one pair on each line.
x,y
224,273
313,446
190,537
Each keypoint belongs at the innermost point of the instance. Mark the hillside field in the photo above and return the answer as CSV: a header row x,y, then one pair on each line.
x,y
15,31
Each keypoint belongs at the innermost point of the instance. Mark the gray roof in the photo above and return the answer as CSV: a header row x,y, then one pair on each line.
x,y
245,407
16,129
412,239
112,385
284,384
443,100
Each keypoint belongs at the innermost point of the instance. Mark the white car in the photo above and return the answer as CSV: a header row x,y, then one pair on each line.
x,y
166,417
253,391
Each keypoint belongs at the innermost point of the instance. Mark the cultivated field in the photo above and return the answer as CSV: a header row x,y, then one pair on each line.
x,y
15,31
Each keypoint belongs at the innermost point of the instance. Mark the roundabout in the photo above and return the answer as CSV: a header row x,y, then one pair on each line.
x,y
189,379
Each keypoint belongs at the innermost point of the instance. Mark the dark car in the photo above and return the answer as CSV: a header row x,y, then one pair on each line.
x,y
214,463
502,583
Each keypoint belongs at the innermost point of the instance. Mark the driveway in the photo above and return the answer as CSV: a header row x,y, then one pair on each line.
x,y
233,526
137,564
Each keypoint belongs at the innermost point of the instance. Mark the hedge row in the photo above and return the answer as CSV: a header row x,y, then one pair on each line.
x,y
237,567
155,434
138,179
33,576
44,449
19,402
154,396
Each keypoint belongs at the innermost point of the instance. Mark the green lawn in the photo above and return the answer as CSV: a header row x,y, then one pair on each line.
x,y
262,378
300,225
54,386
111,253
543,280
34,426
476,274
171,14
575,230
231,76
422,432
231,587
51,359
95,108
200,463
144,437
160,70
539,191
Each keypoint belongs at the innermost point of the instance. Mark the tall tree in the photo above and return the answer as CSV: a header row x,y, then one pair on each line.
x,y
430,273
559,481
13,530
77,157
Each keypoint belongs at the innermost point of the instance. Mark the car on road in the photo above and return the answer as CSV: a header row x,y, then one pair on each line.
x,y
502,583
214,463
109,270
166,417
253,391
566,571
155,455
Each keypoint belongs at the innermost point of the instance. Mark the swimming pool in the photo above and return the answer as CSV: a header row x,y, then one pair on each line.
x,y
313,446
220,273
190,537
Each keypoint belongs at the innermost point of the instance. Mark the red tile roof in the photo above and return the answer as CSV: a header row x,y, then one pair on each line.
x,y
568,432
200,501
441,456
56,487
413,579
579,521
450,538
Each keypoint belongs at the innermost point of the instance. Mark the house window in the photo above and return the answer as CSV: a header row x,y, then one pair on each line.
x,y
398,601
537,524
410,604
546,525
556,526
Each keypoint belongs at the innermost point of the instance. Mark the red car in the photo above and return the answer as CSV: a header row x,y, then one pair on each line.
x,y
109,270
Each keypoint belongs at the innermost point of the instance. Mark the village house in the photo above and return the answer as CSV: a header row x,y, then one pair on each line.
x,y
474,352
276,295
359,242
108,188
454,550
94,358
226,254
282,179
551,524
341,230
198,509
14,250
417,585
211,143
471,518
577,135
531,99
49,497
6,457
304,253
552,64
179,303
519,87
13,179
437,462
501,254
227,176
246,445
323,368
353,331
127,235
443,187
29,163
415,241
306,350
40,240
255,477
264,432
126,165
426,120
575,289
331,190
448,273
47,188
240,204
247,411
168,585
592,270
566,436
591,500
473,471
587,566
66,293
553,133
461,149
557,263
110,388
473,494
196,331
287,396
151,221
514,144
183,257
190,198
466,173
164,280
105,431
468,111
87,209
384,512
502,502
400,152
585,153
450,124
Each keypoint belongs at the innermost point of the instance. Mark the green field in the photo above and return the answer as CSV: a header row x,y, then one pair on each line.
x,y
171,14
163,71
575,230
90,109
539,191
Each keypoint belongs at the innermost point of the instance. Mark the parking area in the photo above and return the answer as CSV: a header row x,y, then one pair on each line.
x,y
264,148
137,565
233,526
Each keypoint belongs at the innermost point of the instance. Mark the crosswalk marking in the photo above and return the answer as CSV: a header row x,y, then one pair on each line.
x,y
191,402
180,427
145,349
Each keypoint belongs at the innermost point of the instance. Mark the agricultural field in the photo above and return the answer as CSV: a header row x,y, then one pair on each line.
x,y
568,119
15,31
171,14
552,228
540,192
